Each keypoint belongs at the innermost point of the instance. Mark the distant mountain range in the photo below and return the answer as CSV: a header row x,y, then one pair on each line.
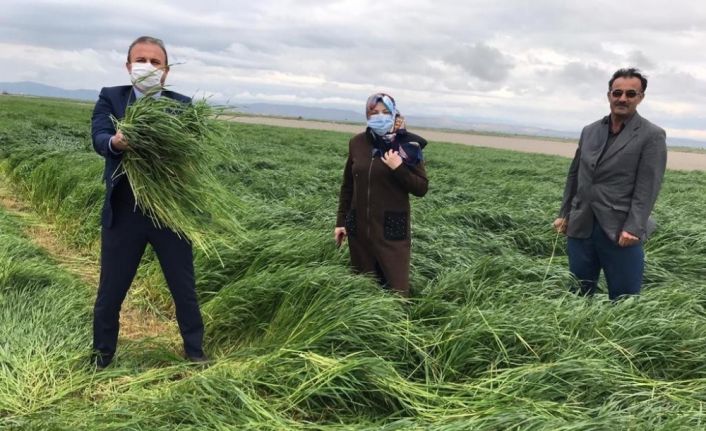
x,y
346,116
36,89
471,124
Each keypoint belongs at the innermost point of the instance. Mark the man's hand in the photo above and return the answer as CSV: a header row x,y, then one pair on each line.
x,y
627,239
339,235
392,159
119,143
560,225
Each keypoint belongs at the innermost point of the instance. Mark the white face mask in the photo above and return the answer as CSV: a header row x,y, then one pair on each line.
x,y
144,76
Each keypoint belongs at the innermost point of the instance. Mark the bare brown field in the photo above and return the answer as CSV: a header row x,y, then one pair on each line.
x,y
677,160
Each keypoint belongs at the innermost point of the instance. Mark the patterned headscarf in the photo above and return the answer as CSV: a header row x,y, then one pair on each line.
x,y
386,100
411,152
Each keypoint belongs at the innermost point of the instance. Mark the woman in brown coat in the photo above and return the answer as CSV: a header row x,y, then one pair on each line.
x,y
384,166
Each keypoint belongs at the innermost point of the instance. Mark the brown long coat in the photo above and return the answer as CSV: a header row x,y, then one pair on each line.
x,y
374,208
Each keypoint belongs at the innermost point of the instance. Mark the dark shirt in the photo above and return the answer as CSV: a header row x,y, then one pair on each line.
x,y
122,193
611,137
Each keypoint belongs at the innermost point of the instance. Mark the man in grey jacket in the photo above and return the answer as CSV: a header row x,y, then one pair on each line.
x,y
611,188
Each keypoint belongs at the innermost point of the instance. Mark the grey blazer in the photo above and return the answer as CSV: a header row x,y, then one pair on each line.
x,y
620,188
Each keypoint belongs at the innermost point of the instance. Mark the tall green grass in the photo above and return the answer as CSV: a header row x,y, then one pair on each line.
x,y
169,163
490,340
43,316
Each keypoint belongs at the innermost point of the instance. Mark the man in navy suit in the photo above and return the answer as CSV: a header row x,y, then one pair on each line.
x,y
125,229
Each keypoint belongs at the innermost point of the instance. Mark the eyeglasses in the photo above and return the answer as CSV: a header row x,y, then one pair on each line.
x,y
630,94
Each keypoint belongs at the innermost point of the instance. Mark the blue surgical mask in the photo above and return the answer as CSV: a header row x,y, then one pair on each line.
x,y
381,124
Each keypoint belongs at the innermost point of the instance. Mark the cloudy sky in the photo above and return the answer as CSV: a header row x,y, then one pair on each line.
x,y
542,63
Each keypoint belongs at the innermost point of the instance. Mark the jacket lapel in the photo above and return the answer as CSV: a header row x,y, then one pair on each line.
x,y
131,97
127,98
628,134
593,148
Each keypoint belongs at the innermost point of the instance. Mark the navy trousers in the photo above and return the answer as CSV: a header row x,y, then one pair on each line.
x,y
122,246
623,266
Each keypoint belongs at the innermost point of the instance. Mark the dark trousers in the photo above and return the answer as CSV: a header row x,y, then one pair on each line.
x,y
122,246
623,266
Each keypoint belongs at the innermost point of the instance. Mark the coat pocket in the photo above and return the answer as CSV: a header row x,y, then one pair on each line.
x,y
351,224
395,226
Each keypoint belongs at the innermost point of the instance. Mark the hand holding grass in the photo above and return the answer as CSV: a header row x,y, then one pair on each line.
x,y
171,167
119,142
560,225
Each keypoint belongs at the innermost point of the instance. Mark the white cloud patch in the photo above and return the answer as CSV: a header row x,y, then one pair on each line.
x,y
482,61
544,63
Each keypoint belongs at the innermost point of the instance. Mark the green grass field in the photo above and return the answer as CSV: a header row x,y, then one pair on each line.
x,y
491,339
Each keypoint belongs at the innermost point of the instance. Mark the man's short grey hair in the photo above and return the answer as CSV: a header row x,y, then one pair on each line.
x,y
148,39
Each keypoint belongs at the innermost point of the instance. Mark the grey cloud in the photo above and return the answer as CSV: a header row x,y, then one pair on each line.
x,y
581,74
344,49
109,26
318,39
639,59
678,85
482,61
575,79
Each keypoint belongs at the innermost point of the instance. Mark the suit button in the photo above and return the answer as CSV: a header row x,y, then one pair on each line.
x,y
593,165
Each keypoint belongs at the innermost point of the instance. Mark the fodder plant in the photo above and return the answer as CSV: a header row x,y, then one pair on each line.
x,y
43,338
490,340
169,162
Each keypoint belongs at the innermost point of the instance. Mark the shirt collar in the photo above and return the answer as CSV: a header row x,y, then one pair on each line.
x,y
139,94
622,126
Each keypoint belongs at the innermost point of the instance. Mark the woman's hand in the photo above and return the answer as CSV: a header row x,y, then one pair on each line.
x,y
400,123
339,235
392,159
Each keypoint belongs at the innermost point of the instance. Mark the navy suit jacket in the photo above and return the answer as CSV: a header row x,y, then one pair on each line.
x,y
113,101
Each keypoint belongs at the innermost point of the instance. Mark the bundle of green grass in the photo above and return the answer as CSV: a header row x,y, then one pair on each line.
x,y
173,149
